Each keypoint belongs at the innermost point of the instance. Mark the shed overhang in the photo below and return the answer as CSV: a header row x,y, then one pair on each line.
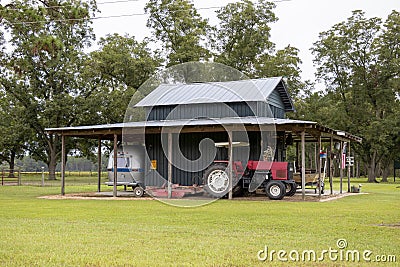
x,y
313,130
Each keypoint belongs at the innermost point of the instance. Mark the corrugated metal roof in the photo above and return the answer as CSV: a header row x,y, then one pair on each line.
x,y
192,122
212,92
92,129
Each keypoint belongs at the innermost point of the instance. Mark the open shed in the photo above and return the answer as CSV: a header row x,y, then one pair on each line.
x,y
186,114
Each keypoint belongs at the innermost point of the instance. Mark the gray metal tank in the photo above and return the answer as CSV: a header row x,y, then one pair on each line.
x,y
130,166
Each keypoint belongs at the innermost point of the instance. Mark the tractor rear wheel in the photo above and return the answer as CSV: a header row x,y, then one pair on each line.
x,y
238,191
275,190
216,180
290,189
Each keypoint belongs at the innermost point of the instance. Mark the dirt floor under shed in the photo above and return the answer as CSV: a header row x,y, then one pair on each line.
x,y
128,195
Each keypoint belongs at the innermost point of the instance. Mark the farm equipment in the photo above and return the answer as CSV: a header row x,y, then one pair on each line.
x,y
312,177
275,178
311,180
130,168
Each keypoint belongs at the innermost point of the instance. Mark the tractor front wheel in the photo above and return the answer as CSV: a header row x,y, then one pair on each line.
x,y
275,190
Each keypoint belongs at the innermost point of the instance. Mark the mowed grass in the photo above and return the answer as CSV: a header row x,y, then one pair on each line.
x,y
43,232
72,178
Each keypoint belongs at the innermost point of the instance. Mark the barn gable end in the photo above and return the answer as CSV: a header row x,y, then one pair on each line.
x,y
245,98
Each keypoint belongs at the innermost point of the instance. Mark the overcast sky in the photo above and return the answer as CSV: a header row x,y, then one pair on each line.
x,y
300,21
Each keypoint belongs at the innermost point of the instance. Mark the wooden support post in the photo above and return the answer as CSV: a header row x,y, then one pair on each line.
x,y
63,154
354,166
99,165
319,161
169,165
331,167
348,169
230,165
115,165
19,177
303,165
297,155
315,156
341,167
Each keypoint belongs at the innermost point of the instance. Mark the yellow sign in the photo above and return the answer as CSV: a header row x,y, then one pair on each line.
x,y
153,164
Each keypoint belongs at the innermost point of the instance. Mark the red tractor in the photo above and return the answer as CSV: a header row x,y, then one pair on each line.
x,y
275,178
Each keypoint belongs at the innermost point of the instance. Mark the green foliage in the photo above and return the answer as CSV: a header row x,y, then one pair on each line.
x,y
242,36
118,68
180,28
242,41
14,133
41,68
359,61
284,62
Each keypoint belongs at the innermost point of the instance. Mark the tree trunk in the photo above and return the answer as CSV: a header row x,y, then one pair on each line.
x,y
385,174
12,164
385,170
371,174
372,169
52,164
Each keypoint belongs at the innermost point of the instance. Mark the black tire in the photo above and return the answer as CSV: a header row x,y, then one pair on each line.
x,y
138,191
322,188
290,189
275,190
238,191
216,180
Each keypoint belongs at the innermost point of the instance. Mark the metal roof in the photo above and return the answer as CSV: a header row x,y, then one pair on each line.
x,y
189,122
214,92
296,126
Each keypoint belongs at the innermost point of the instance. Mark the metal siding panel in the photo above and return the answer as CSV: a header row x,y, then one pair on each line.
x,y
264,110
153,145
189,143
277,112
275,99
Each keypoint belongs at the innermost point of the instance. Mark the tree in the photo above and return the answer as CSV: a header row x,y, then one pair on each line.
x,y
180,29
41,69
242,41
115,71
358,59
118,68
243,34
14,132
284,62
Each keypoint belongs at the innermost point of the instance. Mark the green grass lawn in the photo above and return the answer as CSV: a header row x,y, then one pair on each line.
x,y
72,178
43,232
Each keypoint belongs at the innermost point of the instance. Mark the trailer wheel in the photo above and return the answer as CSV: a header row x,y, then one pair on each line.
x,y
275,190
290,189
216,180
138,191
